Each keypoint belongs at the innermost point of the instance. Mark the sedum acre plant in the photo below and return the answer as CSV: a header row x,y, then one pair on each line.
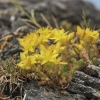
x,y
54,55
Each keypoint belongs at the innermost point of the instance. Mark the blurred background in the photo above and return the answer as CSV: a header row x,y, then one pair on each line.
x,y
96,3
68,13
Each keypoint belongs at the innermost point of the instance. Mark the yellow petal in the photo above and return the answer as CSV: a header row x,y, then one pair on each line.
x,y
28,68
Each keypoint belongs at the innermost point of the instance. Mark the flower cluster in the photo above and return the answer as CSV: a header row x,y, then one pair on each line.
x,y
39,49
87,40
53,54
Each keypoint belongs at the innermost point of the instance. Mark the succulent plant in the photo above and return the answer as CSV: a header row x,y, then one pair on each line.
x,y
54,55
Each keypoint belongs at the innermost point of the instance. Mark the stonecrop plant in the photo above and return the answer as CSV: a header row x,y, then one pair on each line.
x,y
54,55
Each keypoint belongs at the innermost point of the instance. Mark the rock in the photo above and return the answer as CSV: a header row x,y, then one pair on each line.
x,y
69,10
82,87
84,79
86,85
92,70
11,47
35,92
87,91
99,62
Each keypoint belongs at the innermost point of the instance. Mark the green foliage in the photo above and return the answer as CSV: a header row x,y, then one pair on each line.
x,y
85,24
10,66
95,61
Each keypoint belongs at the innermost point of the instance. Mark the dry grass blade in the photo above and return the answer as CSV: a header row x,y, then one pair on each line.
x,y
55,21
2,97
15,78
44,18
28,23
9,76
30,16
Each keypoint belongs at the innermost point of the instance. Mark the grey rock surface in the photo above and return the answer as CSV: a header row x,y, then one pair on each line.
x,y
84,79
82,87
70,10
36,92
84,84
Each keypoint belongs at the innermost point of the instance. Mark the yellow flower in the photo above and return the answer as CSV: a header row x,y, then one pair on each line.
x,y
82,42
58,35
94,35
26,62
47,54
44,35
58,60
29,42
23,55
79,46
44,31
87,35
58,48
69,37
80,32
73,52
91,36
